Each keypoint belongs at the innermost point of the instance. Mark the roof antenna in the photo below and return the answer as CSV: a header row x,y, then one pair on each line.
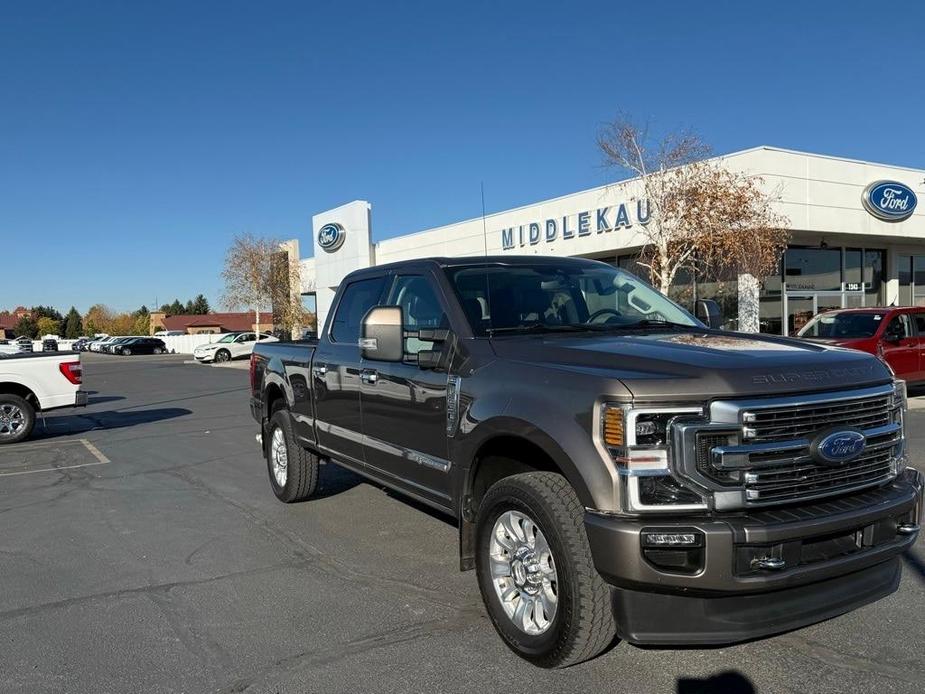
x,y
487,282
484,227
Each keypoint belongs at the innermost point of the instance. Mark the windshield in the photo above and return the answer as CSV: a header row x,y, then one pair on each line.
x,y
565,296
228,338
842,325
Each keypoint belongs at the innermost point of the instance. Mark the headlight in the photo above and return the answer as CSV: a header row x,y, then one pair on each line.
x,y
639,443
899,394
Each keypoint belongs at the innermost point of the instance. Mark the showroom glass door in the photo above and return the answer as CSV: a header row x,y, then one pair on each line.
x,y
800,307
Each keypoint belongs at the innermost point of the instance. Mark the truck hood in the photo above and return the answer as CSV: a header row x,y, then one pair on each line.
x,y
662,365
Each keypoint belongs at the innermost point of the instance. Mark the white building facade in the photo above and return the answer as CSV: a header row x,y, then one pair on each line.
x,y
858,237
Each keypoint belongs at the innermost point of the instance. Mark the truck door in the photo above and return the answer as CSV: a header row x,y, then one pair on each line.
x,y
336,372
404,406
900,348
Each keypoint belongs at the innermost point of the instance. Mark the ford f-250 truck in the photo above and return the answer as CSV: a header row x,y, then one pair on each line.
x,y
616,466
36,382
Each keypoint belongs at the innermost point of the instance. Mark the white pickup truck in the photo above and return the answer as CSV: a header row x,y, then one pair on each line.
x,y
32,383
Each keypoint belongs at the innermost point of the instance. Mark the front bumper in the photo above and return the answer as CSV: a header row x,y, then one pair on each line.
x,y
204,357
838,555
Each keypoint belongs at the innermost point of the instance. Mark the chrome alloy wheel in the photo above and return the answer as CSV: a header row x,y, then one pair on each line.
x,y
279,457
12,420
523,572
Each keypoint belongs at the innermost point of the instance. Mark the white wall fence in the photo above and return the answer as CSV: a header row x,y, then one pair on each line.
x,y
176,344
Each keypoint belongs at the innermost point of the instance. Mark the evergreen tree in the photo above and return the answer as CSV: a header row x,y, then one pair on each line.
x,y
176,308
73,325
188,309
201,305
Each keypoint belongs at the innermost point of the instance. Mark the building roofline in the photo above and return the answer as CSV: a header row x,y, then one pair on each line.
x,y
624,181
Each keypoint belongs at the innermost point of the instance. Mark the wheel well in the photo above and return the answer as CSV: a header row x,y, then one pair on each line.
x,y
272,399
20,390
514,456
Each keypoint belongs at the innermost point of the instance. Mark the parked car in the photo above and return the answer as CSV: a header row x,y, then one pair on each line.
x,y
169,333
896,335
114,346
231,346
614,465
80,344
97,344
19,345
32,383
49,345
140,345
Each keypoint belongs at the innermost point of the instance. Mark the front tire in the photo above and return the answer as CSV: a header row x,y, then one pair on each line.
x,y
17,418
293,470
126,352
535,572
222,355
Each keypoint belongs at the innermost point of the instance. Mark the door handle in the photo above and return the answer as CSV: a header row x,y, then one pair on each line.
x,y
320,369
369,377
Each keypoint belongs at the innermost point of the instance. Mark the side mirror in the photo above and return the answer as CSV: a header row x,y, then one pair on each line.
x,y
708,312
383,336
892,338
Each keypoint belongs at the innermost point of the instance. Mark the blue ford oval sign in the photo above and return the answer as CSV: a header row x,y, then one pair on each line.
x,y
837,447
331,237
889,200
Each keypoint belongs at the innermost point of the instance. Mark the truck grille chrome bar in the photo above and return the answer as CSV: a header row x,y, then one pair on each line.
x,y
759,452
788,423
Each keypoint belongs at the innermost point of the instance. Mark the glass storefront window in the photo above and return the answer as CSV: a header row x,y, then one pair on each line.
x,y
874,286
904,271
854,269
769,315
918,279
812,269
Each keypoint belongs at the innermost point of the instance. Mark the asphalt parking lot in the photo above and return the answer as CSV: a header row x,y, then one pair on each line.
x,y
141,550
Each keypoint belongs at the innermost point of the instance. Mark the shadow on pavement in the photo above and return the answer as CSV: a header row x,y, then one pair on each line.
x,y
729,682
915,562
96,399
64,425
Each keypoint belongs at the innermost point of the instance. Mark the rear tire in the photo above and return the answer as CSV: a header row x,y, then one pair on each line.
x,y
17,418
293,470
544,565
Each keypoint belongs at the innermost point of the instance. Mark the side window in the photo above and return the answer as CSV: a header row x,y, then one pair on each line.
x,y
358,298
920,323
900,325
420,307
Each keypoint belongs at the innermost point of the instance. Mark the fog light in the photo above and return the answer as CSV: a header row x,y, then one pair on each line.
x,y
659,538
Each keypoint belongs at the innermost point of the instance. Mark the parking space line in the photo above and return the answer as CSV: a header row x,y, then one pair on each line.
x,y
98,455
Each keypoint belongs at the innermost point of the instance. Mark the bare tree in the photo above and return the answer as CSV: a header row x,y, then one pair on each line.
x,y
703,217
250,274
262,275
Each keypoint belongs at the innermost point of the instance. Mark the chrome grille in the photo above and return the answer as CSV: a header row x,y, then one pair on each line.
x,y
801,481
782,424
757,452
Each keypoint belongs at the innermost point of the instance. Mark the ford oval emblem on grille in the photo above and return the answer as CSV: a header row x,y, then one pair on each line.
x,y
837,447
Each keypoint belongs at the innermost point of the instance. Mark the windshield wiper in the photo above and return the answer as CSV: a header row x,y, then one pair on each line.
x,y
645,324
540,328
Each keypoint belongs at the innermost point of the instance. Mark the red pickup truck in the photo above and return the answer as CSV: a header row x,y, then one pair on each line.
x,y
896,335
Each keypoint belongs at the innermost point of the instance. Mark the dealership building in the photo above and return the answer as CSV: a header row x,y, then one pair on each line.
x,y
857,237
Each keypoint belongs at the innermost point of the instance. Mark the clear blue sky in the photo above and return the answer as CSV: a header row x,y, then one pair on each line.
x,y
137,137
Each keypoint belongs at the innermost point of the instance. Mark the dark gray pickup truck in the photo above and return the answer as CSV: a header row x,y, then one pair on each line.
x,y
616,467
